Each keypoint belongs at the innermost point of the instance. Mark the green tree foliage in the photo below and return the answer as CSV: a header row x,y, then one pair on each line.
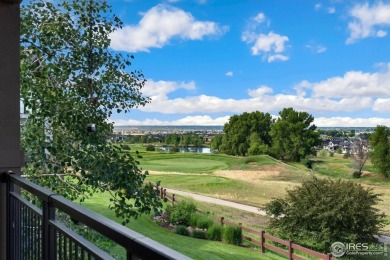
x,y
70,78
323,211
293,135
216,142
172,139
239,129
380,156
184,140
180,213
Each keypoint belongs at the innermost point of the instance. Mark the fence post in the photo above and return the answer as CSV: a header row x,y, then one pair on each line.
x,y
329,256
165,193
161,193
222,218
262,241
290,250
173,199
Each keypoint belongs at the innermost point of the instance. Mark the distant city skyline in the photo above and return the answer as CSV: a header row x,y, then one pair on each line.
x,y
205,60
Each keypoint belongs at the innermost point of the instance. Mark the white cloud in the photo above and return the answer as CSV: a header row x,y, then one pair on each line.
x,y
270,46
229,74
350,122
354,91
316,48
158,26
329,9
382,105
354,84
276,57
207,120
367,19
259,92
259,18
188,120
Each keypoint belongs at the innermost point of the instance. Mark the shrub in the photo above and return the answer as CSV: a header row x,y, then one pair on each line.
x,y
308,163
198,234
181,212
334,210
331,154
125,147
346,155
215,232
150,148
356,174
181,230
200,221
232,235
174,149
323,153
339,151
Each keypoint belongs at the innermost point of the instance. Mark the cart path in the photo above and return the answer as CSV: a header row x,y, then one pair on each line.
x,y
219,202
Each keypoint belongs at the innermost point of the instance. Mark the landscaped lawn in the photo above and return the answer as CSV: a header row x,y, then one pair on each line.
x,y
194,248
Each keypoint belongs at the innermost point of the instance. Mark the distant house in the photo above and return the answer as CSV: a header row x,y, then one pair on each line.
x,y
334,143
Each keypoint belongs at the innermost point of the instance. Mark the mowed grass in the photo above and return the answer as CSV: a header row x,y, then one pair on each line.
x,y
252,180
239,191
194,248
183,165
197,163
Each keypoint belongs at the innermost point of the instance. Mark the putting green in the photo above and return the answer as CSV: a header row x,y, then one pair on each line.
x,y
183,165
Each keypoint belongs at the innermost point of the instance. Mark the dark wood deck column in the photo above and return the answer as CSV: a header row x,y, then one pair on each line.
x,y
10,153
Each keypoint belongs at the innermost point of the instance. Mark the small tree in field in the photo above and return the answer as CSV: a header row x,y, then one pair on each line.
x,y
359,156
323,211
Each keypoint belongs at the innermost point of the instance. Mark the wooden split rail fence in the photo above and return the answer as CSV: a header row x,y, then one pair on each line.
x,y
291,247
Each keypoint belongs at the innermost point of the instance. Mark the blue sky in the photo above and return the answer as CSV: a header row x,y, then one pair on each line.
x,y
206,60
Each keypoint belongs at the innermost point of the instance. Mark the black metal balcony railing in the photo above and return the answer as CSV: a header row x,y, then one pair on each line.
x,y
35,233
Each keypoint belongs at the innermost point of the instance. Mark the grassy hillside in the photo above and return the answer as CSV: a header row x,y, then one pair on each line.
x,y
251,180
194,248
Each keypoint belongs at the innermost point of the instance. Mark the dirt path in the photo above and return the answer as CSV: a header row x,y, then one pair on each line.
x,y
219,201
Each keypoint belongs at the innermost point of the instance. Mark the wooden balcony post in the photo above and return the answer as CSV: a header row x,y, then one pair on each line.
x,y
10,154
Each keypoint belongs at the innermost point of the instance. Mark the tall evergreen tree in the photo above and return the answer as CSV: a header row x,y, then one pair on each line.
x,y
293,135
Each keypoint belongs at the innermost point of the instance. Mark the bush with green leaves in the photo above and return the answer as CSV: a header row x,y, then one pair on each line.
x,y
347,155
200,221
174,149
356,174
181,212
307,162
232,235
198,234
323,211
150,148
215,232
181,230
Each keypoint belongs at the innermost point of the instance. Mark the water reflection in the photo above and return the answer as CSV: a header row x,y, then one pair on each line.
x,y
188,149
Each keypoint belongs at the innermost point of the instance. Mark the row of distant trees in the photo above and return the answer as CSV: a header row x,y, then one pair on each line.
x,y
291,137
184,140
